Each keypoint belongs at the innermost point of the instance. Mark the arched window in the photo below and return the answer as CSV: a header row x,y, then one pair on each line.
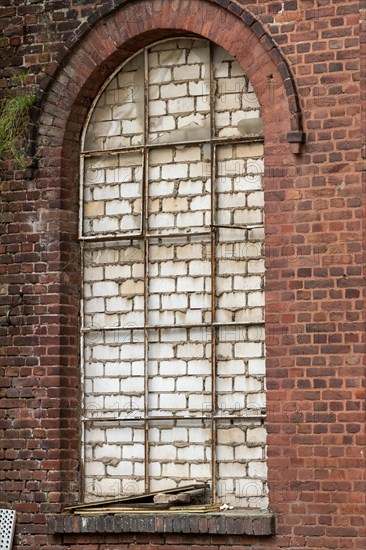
x,y
171,229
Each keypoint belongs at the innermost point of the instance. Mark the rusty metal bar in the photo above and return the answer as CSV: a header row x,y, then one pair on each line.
x,y
179,235
145,225
82,369
216,140
241,227
108,152
140,236
183,418
213,273
176,327
109,238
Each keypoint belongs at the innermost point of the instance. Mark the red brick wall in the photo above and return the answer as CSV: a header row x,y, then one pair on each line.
x,y
315,222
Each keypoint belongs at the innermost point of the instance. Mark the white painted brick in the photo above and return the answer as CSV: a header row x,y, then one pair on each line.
x,y
248,349
200,88
124,468
107,451
190,350
132,287
161,351
185,72
202,104
232,469
191,453
257,367
172,57
175,171
176,366
200,301
177,204
231,436
200,471
189,251
106,192
169,91
105,225
161,220
173,268
181,105
195,122
118,207
162,74
256,333
118,303
257,469
172,401
180,471
189,383
248,453
190,187
243,384
155,189
94,469
190,284
196,401
155,174
256,299
162,285
162,123
188,219
231,366
257,436
247,283
161,156
105,288
154,92
162,484
133,451
190,154
160,384
94,305
130,190
249,488
256,266
197,267
157,108
175,301
163,452
134,384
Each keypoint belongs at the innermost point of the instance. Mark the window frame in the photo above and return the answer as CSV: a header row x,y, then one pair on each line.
x,y
144,237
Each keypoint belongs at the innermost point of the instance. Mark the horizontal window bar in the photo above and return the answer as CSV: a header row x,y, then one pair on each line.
x,y
218,141
142,419
162,327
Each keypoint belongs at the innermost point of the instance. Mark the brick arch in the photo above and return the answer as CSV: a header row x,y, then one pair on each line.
x,y
73,85
112,34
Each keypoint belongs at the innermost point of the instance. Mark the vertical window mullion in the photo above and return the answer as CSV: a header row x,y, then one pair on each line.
x,y
82,347
145,223
213,268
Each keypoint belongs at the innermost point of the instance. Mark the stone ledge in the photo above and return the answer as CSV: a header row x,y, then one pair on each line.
x,y
246,522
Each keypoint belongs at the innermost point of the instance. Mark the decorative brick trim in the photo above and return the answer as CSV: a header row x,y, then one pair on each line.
x,y
249,522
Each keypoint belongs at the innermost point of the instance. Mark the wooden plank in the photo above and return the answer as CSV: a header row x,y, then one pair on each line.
x,y
147,497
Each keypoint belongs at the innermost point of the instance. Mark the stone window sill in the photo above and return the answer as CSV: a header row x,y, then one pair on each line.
x,y
243,522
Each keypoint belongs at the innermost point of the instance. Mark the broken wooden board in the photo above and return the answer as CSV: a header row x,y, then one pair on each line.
x,y
134,499
202,509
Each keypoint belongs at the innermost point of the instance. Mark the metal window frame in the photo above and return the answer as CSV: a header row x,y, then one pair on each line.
x,y
145,236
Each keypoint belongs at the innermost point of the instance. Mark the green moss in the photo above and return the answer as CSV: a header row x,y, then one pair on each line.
x,y
14,127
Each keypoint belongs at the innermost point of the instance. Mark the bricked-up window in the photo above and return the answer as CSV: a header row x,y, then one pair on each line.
x,y
171,229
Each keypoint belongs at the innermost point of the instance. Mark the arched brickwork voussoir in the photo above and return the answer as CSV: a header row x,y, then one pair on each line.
x,y
72,88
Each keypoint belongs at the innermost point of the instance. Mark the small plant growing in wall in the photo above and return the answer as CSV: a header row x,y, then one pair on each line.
x,y
15,123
